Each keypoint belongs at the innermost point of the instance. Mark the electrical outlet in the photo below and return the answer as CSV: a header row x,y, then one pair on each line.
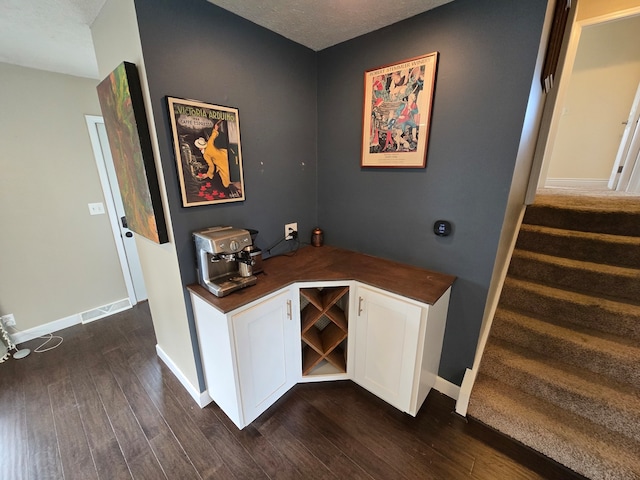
x,y
288,229
96,208
9,320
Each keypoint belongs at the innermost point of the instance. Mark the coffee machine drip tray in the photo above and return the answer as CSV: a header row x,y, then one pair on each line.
x,y
225,284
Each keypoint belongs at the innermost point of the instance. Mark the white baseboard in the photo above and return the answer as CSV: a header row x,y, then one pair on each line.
x,y
21,336
579,183
105,310
447,388
201,398
41,330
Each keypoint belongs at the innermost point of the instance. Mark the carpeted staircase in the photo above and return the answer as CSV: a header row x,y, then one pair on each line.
x,y
561,369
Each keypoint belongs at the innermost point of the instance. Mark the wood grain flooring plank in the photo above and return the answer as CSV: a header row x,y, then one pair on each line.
x,y
265,454
201,452
309,466
44,457
173,460
353,447
94,417
238,460
146,413
13,423
134,444
369,423
302,429
77,462
109,461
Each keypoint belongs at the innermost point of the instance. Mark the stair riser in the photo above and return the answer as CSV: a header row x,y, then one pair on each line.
x,y
615,223
578,280
585,249
608,414
619,368
591,316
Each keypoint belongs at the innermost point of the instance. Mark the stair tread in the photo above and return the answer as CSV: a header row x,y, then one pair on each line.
x,y
572,378
577,275
585,447
618,306
633,273
579,336
567,307
631,241
616,357
585,393
585,203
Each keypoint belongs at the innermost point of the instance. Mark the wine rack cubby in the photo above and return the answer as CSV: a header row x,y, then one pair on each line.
x,y
324,326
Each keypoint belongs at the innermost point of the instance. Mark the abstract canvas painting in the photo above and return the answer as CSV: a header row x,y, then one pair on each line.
x,y
125,120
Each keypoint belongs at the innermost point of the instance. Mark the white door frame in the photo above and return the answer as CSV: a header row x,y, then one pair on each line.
x,y
92,121
626,162
563,85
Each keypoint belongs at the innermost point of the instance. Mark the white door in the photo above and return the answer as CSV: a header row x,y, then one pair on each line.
x,y
625,176
125,243
386,344
267,338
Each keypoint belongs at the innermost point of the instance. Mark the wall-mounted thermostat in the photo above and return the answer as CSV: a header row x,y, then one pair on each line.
x,y
442,228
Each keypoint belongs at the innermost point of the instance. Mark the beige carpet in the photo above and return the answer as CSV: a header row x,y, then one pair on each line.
x,y
560,370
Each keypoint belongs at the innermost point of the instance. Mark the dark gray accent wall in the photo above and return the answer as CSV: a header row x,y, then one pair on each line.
x,y
193,49
487,51
301,125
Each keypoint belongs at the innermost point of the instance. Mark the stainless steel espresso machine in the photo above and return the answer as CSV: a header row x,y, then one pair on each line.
x,y
224,259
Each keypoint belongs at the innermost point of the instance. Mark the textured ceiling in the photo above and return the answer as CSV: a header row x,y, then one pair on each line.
x,y
49,35
319,24
54,35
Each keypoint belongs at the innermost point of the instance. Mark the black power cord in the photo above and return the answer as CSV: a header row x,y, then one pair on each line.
x,y
294,236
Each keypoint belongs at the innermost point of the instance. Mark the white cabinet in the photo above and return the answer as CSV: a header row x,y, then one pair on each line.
x,y
250,356
397,346
268,353
388,344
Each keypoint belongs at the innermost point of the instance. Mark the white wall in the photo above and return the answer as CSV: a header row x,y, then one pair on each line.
x,y
588,9
116,39
56,259
601,89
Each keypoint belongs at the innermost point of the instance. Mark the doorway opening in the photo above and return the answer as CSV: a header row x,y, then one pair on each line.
x,y
123,237
591,148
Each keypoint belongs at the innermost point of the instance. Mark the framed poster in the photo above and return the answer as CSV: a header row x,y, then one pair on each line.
x,y
125,120
397,113
206,140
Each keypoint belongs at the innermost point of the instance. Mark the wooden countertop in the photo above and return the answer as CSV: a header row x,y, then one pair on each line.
x,y
311,264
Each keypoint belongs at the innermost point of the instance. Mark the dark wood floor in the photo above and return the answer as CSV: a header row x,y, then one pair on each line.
x,y
102,405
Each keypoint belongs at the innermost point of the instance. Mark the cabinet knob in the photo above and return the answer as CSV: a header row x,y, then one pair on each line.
x,y
289,312
360,299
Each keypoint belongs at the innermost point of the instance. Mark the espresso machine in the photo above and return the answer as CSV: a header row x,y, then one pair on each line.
x,y
224,256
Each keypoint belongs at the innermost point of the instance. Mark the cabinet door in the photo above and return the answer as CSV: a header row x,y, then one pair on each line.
x,y
267,338
386,346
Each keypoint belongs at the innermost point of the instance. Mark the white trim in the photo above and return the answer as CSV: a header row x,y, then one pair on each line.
x,y
21,336
46,329
97,313
462,403
201,398
586,183
92,121
447,388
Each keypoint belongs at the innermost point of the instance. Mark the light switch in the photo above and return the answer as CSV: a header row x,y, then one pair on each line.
x,y
96,208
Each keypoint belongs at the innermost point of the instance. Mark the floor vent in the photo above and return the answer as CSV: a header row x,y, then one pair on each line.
x,y
105,310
